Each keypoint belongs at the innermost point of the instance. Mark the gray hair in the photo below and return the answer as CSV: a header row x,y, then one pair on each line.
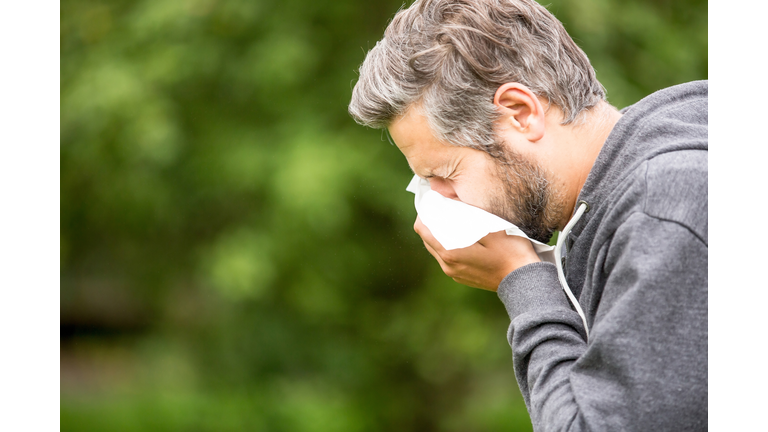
x,y
448,58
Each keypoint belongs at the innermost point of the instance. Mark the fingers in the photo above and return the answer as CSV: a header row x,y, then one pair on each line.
x,y
498,236
436,255
450,268
444,257
433,246
465,266
427,236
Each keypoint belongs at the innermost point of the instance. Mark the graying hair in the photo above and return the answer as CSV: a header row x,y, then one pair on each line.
x,y
448,58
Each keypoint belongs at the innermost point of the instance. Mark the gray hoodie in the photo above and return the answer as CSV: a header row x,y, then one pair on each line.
x,y
637,262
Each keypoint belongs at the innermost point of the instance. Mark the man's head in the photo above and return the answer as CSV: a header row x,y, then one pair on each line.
x,y
449,57
462,85
507,185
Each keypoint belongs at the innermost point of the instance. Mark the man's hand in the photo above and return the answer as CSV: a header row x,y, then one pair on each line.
x,y
485,263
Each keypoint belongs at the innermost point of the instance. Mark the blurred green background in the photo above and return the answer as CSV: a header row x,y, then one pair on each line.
x,y
238,255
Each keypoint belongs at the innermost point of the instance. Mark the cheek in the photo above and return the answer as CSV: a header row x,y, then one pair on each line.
x,y
491,192
477,183
473,194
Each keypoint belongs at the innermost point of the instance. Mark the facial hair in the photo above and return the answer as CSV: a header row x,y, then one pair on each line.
x,y
527,198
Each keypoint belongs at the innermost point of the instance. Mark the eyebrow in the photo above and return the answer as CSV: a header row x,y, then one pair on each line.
x,y
428,174
443,171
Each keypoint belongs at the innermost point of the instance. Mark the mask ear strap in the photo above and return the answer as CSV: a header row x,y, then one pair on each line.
x,y
583,208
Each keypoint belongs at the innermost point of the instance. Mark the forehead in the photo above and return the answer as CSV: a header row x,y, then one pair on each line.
x,y
413,136
410,128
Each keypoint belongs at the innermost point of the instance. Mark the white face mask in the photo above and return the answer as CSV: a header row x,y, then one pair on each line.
x,y
458,225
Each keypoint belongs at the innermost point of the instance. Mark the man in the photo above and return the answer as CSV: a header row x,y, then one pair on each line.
x,y
494,104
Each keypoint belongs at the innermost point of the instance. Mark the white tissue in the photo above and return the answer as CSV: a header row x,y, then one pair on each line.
x,y
458,225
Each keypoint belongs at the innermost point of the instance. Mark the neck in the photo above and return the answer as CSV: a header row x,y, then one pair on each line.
x,y
578,148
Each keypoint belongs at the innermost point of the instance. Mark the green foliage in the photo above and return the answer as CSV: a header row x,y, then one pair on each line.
x,y
250,248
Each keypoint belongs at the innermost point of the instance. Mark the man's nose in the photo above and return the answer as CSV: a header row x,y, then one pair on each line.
x,y
443,187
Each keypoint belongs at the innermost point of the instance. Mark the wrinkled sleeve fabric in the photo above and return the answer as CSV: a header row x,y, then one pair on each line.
x,y
645,364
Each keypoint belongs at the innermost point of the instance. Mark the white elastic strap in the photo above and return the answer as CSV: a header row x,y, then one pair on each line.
x,y
558,262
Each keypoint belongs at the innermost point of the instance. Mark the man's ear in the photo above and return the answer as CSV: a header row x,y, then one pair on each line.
x,y
521,110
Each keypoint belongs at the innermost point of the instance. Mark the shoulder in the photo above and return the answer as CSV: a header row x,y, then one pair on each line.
x,y
676,186
666,135
669,187
688,100
670,119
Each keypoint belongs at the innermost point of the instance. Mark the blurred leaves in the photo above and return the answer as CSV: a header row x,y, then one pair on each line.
x,y
237,254
240,265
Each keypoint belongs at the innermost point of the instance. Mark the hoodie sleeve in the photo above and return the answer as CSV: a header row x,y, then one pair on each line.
x,y
645,364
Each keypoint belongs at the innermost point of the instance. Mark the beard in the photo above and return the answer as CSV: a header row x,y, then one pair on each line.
x,y
526,197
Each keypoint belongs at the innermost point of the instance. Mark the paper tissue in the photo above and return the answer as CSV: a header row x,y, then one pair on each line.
x,y
458,225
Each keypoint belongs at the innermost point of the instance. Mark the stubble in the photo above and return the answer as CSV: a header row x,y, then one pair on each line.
x,y
526,197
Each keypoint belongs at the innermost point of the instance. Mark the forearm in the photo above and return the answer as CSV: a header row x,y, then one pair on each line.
x,y
644,367
547,337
